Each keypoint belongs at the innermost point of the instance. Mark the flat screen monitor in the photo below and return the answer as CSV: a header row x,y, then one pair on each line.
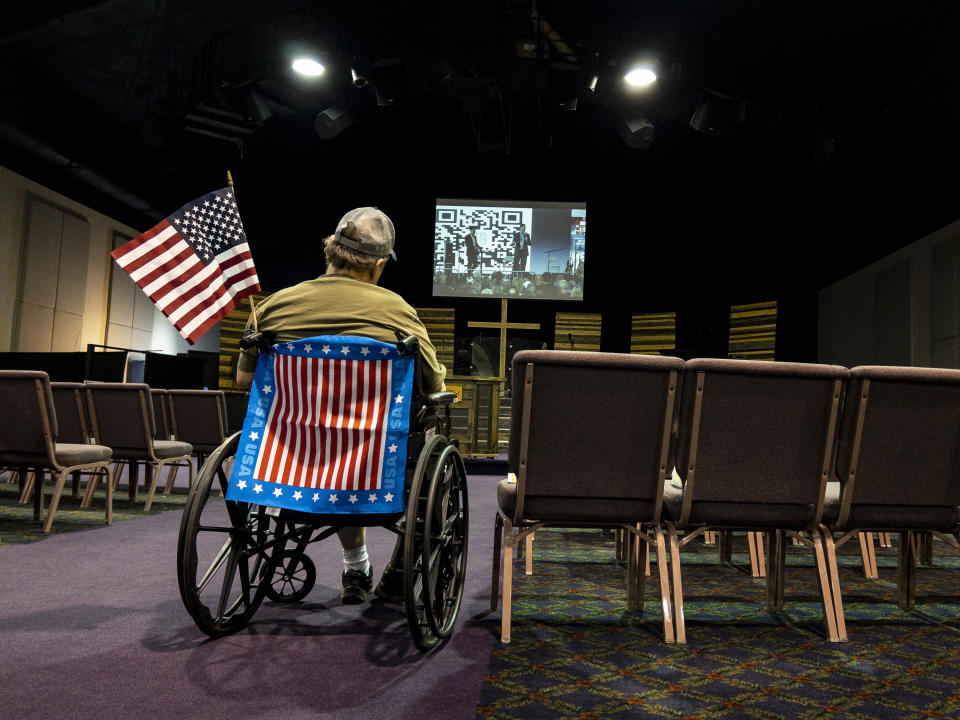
x,y
509,249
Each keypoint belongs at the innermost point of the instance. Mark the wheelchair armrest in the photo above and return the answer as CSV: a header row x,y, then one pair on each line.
x,y
408,344
439,398
262,340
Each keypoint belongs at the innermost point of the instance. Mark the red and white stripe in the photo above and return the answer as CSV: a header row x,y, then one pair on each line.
x,y
191,295
327,426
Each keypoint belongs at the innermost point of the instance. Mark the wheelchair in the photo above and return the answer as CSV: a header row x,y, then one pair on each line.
x,y
232,553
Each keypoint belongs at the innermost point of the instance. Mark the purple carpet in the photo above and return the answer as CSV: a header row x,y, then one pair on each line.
x,y
91,625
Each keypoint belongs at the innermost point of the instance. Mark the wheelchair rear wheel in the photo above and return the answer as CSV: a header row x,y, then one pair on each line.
x,y
435,542
221,565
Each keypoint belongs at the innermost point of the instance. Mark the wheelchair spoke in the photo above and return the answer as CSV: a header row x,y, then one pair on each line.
x,y
215,566
418,586
224,480
245,574
215,528
227,587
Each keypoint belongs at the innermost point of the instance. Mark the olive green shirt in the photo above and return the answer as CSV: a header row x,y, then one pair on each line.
x,y
343,305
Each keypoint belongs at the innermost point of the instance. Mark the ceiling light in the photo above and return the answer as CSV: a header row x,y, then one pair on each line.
x,y
308,67
640,77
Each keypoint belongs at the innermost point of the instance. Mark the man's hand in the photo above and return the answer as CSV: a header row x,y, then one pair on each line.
x,y
244,378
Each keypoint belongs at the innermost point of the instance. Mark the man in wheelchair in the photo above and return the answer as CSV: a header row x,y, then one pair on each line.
x,y
346,300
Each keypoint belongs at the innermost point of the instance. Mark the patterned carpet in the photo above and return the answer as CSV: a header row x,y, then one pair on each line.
x,y
18,526
577,653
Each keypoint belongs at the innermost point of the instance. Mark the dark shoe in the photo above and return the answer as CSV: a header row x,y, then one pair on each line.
x,y
356,586
390,587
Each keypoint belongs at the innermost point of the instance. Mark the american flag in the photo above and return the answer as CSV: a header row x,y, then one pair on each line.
x,y
326,427
195,264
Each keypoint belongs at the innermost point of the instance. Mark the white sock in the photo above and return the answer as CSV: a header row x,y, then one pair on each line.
x,y
356,559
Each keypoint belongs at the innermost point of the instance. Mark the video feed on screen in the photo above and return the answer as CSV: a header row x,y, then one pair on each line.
x,y
509,249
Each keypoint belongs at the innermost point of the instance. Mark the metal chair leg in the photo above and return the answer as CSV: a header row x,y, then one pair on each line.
x,y
497,549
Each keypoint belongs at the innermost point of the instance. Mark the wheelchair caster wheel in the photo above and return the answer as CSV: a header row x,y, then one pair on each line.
x,y
293,578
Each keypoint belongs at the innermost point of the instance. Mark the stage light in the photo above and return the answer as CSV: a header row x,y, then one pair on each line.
x,y
593,83
308,67
640,77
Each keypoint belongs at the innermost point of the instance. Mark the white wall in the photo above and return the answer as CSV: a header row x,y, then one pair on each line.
x,y
14,190
901,310
167,340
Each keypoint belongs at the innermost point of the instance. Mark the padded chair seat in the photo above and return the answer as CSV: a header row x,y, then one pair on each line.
x,y
66,454
171,448
893,517
588,509
162,449
74,454
204,448
735,514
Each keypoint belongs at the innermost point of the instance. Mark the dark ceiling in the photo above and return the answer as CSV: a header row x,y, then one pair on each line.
x,y
793,142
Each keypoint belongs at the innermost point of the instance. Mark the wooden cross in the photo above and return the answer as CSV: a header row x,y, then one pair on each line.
x,y
504,325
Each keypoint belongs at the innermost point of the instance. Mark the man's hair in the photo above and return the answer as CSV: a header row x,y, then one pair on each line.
x,y
344,258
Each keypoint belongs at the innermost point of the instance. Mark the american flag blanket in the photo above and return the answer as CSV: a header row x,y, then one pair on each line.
x,y
326,428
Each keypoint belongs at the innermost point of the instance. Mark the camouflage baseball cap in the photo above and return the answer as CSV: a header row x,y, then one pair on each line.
x,y
367,230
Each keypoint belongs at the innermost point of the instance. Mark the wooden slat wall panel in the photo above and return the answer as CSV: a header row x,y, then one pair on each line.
x,y
474,416
439,325
652,333
231,328
584,327
753,331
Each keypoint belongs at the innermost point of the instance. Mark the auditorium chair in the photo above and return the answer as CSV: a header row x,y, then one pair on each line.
x,y
161,414
72,424
197,417
30,440
897,464
121,415
590,442
68,400
754,452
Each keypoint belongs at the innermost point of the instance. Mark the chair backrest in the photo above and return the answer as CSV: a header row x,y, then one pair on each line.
x,y
198,417
756,441
163,427
898,459
590,434
29,418
121,415
70,403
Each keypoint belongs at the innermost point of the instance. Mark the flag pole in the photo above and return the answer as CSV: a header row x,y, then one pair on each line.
x,y
253,307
